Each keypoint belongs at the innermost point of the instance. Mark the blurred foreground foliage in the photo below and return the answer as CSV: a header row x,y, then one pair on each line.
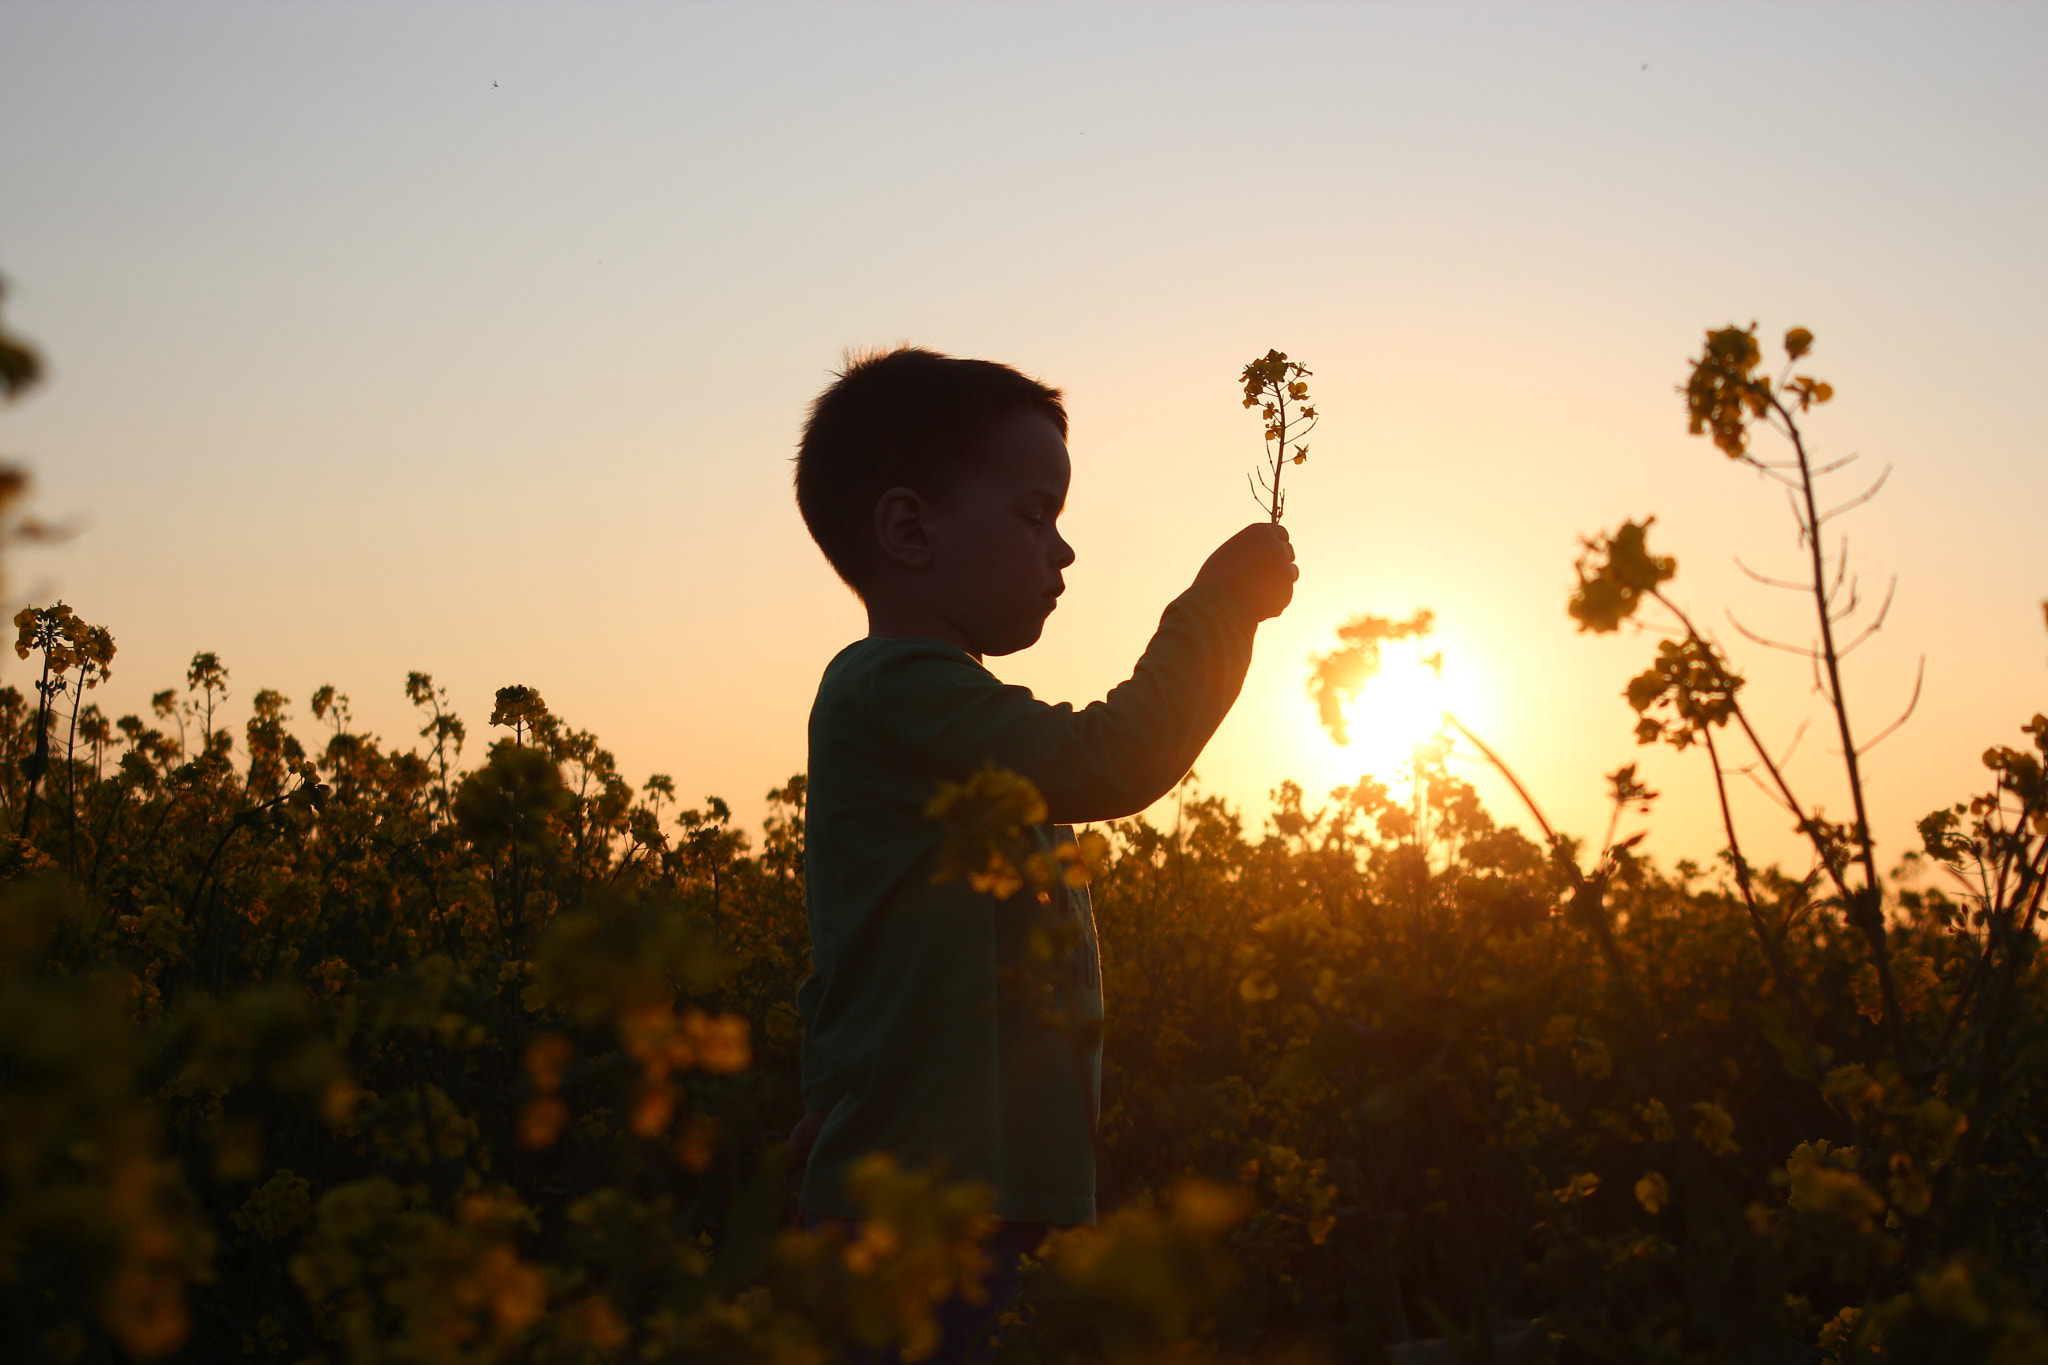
x,y
339,1051
314,1047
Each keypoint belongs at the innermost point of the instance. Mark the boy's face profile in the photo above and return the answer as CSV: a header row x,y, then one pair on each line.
x,y
980,567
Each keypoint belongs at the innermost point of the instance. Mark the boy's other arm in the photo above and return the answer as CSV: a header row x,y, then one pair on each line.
x,y
1116,756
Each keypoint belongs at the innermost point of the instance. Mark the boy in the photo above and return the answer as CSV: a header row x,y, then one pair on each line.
x,y
934,486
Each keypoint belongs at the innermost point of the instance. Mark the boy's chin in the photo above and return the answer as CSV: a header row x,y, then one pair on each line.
x,y
1013,643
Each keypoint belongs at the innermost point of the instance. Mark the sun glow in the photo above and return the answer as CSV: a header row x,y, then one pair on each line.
x,y
1400,708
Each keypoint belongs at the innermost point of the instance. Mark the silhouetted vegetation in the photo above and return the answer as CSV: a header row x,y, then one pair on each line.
x,y
315,1046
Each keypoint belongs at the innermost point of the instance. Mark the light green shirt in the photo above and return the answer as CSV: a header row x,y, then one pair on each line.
x,y
917,1038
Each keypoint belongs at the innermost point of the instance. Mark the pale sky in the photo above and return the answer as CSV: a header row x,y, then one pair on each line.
x,y
475,339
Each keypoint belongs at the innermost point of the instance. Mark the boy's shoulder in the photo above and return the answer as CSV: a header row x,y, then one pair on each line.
x,y
890,661
883,697
872,725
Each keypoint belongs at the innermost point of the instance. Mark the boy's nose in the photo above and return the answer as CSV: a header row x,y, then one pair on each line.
x,y
1063,553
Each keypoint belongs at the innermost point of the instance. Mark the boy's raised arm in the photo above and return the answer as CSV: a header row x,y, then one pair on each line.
x,y
1116,756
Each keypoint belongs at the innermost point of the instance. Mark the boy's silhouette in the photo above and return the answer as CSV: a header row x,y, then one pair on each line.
x,y
934,486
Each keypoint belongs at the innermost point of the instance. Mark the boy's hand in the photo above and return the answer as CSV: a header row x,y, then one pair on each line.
x,y
1257,567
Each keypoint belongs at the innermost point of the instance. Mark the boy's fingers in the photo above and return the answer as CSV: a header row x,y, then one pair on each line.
x,y
1251,563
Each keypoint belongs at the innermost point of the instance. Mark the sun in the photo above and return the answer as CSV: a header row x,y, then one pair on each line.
x,y
1399,708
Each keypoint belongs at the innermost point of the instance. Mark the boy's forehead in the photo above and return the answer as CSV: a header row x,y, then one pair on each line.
x,y
1026,451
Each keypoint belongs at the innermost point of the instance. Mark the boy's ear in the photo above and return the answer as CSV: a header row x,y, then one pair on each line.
x,y
901,529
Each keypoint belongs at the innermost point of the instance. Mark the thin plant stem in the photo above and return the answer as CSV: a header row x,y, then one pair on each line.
x,y
1279,451
1587,895
71,765
41,759
1866,909
1774,954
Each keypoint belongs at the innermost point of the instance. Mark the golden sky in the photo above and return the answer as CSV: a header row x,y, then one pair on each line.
x,y
475,339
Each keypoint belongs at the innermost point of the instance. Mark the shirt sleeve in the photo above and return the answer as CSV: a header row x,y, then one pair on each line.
x,y
1106,761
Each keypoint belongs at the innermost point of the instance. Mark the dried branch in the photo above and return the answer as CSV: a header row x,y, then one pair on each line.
x,y
1748,770
1822,688
1875,626
1767,581
1798,518
1805,652
1865,496
1919,677
1848,609
1793,744
1841,573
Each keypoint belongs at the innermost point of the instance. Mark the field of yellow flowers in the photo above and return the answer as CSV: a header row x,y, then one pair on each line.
x,y
314,1047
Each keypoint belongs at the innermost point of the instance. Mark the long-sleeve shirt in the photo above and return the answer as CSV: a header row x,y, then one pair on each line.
x,y
915,1037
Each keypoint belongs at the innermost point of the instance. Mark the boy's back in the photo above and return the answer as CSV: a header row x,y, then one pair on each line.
x,y
928,1033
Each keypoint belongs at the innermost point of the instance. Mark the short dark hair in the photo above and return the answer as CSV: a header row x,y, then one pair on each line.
x,y
907,418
